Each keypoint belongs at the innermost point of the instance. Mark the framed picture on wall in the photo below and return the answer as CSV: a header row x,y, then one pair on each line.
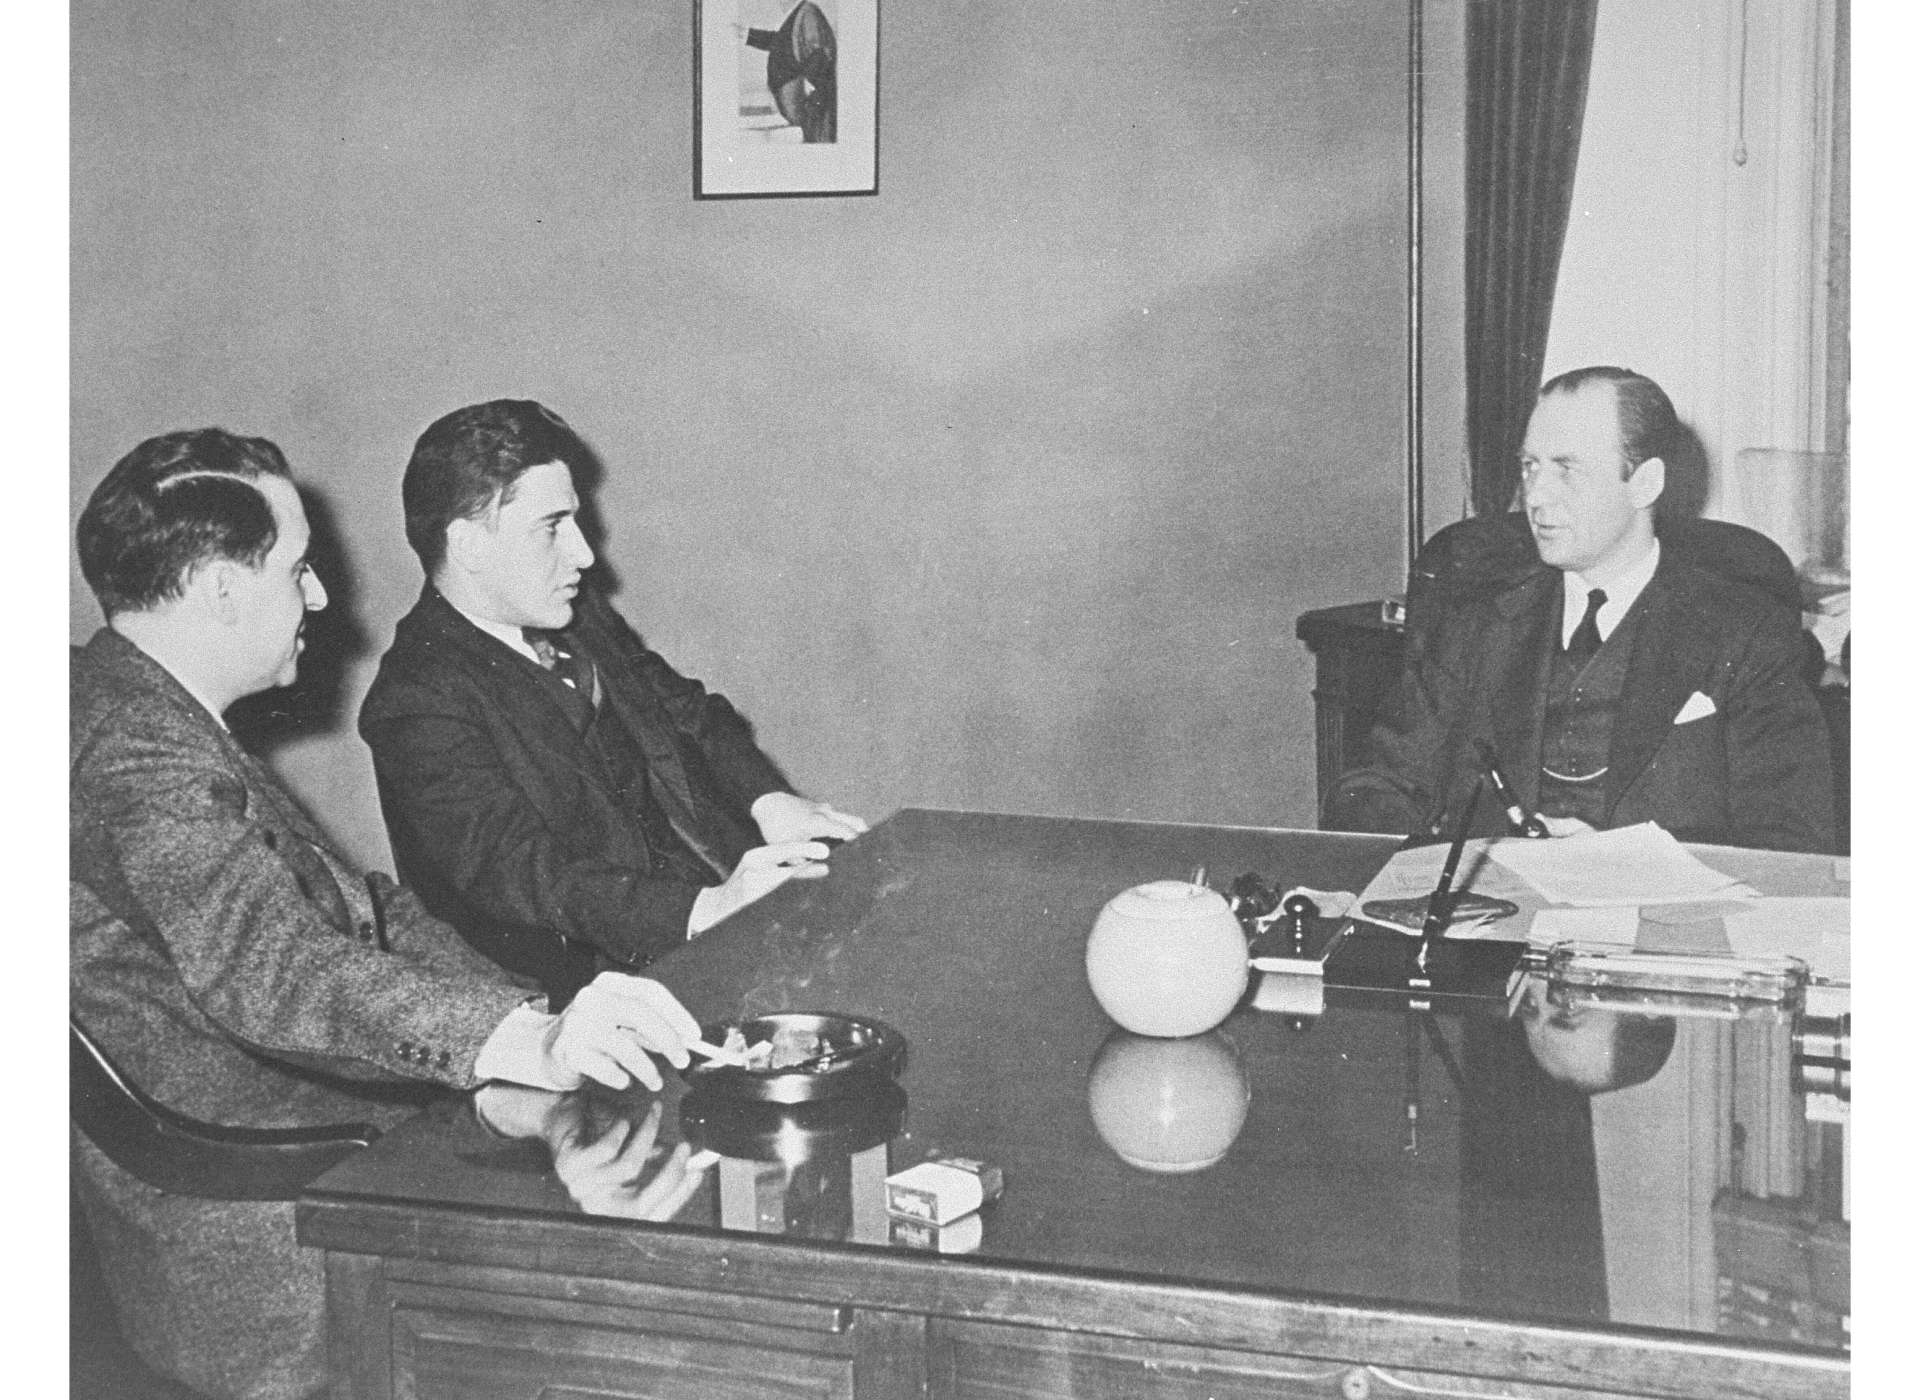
x,y
786,97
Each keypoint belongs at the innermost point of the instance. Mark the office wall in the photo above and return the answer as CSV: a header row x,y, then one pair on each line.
x,y
1002,489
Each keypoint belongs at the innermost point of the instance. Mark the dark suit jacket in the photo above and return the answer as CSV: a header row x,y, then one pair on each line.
x,y
1755,772
223,956
503,820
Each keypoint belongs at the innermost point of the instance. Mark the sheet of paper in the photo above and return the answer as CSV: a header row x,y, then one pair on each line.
x,y
1817,931
1629,865
1618,924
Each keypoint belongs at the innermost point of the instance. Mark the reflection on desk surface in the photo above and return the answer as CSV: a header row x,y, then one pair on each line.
x,y
1552,1161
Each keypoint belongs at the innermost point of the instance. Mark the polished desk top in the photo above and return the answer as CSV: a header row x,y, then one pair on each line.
x,y
1392,1157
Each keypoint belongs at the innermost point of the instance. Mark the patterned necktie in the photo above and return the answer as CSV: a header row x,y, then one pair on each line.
x,y
1586,637
560,658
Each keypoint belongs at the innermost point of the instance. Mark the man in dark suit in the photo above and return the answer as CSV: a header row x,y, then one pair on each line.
x,y
225,958
552,786
1616,682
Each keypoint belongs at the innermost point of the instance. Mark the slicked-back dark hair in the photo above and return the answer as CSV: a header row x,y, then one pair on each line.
x,y
466,459
1648,425
176,502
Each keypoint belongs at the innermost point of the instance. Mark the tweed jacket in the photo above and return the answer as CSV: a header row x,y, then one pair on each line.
x,y
1753,768
505,821
228,961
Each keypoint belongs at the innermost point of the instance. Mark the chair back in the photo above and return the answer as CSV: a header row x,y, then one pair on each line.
x,y
175,1153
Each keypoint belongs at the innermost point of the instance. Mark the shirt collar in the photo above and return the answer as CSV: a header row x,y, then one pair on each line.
x,y
510,636
1622,592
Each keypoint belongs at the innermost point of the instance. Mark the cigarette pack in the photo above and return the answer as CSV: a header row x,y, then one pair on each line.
x,y
942,1189
961,1236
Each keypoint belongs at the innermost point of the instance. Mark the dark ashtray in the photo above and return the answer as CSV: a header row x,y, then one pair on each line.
x,y
764,1132
837,1054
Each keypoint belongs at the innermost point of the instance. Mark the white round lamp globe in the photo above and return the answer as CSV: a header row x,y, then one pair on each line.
x,y
1167,959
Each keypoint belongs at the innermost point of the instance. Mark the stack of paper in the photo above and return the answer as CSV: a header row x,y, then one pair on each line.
x,y
1630,865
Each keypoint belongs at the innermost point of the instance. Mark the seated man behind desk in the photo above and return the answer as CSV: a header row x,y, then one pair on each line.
x,y
1616,684
551,786
224,958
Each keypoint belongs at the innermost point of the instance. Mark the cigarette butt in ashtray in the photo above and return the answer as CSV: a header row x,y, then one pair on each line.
x,y
720,1054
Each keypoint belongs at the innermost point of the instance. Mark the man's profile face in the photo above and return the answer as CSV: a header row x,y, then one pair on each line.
x,y
271,602
527,553
1584,514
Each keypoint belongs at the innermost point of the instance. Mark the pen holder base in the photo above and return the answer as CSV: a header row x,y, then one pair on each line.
x,y
1375,959
1277,950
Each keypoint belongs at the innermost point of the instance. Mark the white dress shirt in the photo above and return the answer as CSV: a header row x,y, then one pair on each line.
x,y
1624,588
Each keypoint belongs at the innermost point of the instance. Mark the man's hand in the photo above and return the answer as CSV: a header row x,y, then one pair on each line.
x,y
610,1026
781,817
607,1175
1565,826
760,870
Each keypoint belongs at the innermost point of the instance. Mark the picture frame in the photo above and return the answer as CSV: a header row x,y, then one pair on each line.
x,y
786,98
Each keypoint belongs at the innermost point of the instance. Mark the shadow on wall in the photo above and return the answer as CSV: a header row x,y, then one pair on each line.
x,y
1688,477
336,638
588,474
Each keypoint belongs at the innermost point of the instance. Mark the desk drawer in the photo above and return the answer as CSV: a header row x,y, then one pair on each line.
x,y
973,1361
446,1355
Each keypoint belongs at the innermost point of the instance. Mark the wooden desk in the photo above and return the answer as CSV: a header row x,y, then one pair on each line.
x,y
1402,1204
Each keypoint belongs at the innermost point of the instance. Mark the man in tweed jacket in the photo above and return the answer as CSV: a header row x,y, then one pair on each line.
x,y
222,955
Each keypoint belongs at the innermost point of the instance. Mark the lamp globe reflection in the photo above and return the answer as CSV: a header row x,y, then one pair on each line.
x,y
1168,1105
1167,958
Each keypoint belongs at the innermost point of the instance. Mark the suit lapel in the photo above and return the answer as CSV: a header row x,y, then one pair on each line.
x,y
1517,662
1663,671
551,733
651,730
542,720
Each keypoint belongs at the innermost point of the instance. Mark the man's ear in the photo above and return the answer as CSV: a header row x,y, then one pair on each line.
x,y
1649,479
463,544
214,587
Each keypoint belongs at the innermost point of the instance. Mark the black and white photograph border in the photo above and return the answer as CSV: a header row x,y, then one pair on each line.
x,y
786,98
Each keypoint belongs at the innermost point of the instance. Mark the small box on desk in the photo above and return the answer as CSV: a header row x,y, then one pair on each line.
x,y
1372,958
942,1189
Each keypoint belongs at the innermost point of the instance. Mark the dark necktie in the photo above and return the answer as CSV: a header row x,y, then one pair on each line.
x,y
1586,637
559,657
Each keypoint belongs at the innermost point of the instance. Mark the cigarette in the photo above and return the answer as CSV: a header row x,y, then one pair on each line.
x,y
716,1052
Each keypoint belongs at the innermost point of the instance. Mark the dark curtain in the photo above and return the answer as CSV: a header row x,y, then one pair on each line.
x,y
1526,93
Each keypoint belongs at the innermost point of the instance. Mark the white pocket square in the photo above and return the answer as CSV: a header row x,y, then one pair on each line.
x,y
1698,706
